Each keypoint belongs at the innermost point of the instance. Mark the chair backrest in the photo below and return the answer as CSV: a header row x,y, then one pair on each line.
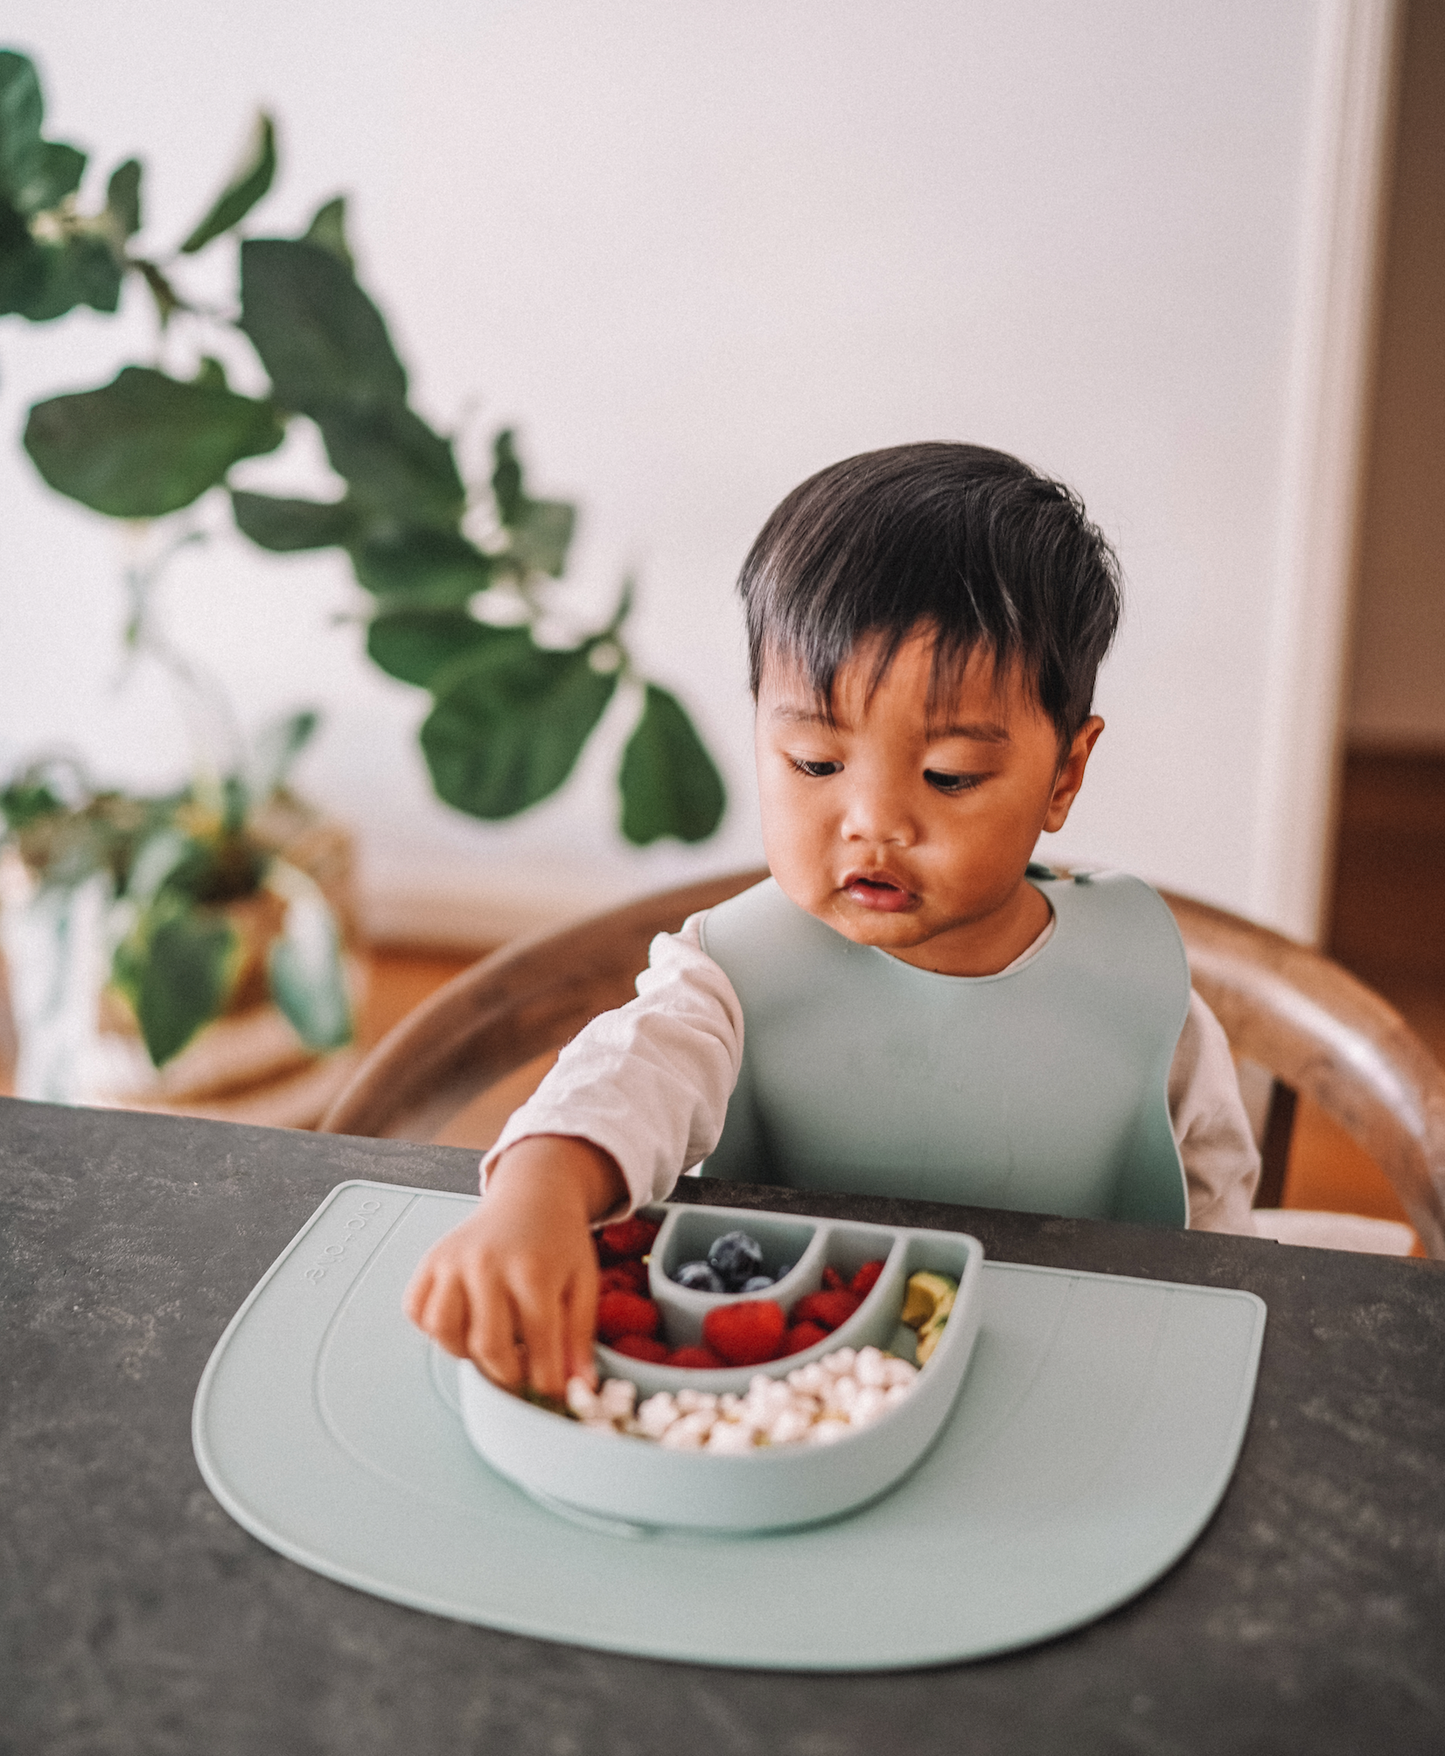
x,y
1322,1033
504,1011
1306,1020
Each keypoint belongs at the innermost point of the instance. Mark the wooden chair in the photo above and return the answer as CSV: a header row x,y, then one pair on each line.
x,y
1308,1022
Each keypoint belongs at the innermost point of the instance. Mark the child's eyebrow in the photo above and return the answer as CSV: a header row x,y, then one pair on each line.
x,y
981,731
801,716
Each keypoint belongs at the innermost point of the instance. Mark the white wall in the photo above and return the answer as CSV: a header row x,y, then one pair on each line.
x,y
698,251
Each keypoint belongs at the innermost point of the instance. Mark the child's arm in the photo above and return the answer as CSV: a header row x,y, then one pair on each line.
x,y
636,1098
1221,1161
649,1083
514,1288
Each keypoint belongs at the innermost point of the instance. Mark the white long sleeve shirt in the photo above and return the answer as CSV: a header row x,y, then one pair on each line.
x,y
650,1083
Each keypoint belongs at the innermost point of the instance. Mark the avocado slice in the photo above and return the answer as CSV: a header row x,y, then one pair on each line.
x,y
929,1337
928,1298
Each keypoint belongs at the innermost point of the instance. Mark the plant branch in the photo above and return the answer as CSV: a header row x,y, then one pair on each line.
x,y
217,746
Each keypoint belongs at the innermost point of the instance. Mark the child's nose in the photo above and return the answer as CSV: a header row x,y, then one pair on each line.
x,y
877,814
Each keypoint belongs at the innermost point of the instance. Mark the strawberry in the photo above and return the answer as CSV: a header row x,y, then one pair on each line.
x,y
800,1336
866,1279
833,1282
641,1347
745,1333
696,1359
626,1314
623,1277
626,1240
828,1309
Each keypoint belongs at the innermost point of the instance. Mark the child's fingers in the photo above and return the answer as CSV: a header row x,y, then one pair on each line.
x,y
579,1327
491,1339
539,1313
444,1314
418,1291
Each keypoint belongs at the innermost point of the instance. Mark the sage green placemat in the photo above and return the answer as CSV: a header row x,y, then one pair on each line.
x,y
1092,1439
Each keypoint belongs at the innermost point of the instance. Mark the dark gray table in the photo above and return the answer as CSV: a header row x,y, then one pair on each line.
x,y
136,1618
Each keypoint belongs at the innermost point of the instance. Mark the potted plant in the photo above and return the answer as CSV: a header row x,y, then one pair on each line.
x,y
174,949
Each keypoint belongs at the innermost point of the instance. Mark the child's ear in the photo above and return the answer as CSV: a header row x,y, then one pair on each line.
x,y
1071,772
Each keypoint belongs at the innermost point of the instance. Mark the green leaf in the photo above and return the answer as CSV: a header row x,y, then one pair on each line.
x,y
425,566
163,852
275,748
319,336
507,476
56,173
44,281
145,444
250,181
177,968
328,230
26,800
308,980
669,783
22,110
419,645
22,263
542,535
394,462
284,526
508,728
122,197
540,530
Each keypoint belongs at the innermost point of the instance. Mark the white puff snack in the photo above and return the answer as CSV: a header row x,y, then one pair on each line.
x,y
816,1404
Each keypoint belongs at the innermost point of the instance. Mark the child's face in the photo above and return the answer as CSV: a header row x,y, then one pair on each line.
x,y
910,835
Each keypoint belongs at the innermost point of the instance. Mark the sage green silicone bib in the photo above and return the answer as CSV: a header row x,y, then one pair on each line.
x,y
1042,1089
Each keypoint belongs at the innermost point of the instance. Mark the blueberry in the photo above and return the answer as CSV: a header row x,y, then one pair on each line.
x,y
737,1258
760,1283
698,1277
783,1272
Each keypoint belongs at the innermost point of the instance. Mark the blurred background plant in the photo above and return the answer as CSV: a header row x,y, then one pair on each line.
x,y
458,578
176,911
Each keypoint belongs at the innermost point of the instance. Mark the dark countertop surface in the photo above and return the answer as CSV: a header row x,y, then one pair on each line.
x,y
136,1618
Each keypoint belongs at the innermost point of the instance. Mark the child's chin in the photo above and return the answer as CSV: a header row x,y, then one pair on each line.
x,y
892,930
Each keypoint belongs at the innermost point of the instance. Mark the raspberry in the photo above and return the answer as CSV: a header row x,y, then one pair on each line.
x,y
641,1347
626,1240
866,1279
800,1336
696,1359
828,1309
626,1314
623,1277
747,1333
833,1282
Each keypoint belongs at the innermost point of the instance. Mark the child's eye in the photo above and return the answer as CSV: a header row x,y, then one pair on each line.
x,y
815,770
951,783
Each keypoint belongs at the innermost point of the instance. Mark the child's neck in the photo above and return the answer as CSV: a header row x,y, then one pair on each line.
x,y
985,946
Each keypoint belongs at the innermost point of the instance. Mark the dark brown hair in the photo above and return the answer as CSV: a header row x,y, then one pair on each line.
x,y
957,539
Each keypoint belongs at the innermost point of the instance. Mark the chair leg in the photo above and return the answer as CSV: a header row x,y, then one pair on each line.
x,y
1274,1149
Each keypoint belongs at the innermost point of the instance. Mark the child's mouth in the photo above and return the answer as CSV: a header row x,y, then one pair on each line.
x,y
877,893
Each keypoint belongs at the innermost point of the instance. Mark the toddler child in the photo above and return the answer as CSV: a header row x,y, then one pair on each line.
x,y
926,1013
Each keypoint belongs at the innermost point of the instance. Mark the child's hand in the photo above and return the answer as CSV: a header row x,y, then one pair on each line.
x,y
514,1288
